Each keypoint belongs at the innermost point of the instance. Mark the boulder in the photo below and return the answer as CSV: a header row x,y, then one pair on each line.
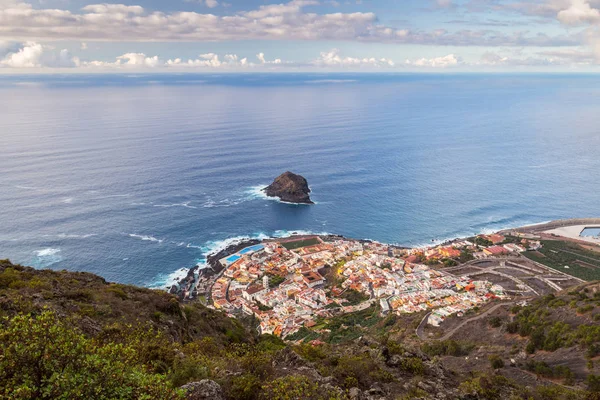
x,y
206,389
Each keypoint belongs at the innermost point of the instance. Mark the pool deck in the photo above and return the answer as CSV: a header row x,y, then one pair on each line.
x,y
574,232
230,259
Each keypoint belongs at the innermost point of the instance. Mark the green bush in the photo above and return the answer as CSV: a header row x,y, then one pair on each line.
x,y
593,383
447,348
496,361
44,357
413,365
495,322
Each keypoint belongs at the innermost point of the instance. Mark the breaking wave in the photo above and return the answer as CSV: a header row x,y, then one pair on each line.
x,y
146,238
46,257
166,280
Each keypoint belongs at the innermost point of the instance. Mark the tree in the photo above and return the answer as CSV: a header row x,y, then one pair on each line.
x,y
43,357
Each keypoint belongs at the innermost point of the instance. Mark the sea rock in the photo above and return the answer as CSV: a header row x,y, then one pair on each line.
x,y
206,389
291,188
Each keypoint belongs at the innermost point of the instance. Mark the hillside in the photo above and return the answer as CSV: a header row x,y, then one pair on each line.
x,y
74,335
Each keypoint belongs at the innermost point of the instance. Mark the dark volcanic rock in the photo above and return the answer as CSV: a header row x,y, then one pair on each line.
x,y
290,188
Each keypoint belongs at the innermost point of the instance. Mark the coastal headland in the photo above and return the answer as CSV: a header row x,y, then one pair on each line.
x,y
292,283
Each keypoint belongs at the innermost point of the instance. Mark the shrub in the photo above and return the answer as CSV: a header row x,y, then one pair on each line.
x,y
44,357
495,322
496,362
447,348
292,387
593,383
413,365
244,387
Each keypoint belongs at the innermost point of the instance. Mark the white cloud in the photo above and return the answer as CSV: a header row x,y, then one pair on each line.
x,y
286,21
36,55
438,62
29,56
579,12
115,9
211,3
332,58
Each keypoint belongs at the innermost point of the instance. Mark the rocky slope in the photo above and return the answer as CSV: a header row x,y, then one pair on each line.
x,y
291,188
163,349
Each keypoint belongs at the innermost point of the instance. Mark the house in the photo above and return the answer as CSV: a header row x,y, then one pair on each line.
x,y
449,252
495,251
312,279
514,248
495,238
252,291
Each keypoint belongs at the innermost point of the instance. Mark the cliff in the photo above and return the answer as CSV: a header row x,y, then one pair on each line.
x,y
291,188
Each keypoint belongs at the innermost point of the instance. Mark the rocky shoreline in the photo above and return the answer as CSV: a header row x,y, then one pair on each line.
x,y
198,281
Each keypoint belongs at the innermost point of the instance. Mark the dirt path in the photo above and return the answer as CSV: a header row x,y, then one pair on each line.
x,y
423,323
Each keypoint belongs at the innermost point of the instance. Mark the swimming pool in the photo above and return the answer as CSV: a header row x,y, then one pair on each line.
x,y
251,249
233,258
593,232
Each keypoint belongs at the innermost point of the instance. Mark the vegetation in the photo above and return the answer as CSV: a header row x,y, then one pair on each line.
x,y
275,280
447,348
496,361
557,254
74,336
481,241
545,333
556,372
44,357
296,244
354,297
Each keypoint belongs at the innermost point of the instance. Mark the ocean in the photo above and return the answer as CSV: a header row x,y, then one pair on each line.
x,y
137,177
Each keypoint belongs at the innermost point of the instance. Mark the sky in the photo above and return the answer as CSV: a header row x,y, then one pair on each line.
x,y
71,36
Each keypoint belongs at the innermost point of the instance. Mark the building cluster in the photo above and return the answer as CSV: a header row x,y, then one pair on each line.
x,y
282,283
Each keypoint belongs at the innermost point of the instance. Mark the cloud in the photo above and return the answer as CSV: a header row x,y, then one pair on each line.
x,y
438,62
29,56
286,21
35,55
332,58
540,59
444,3
579,12
211,3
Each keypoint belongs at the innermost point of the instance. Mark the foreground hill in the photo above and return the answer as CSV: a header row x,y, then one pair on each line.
x,y
76,336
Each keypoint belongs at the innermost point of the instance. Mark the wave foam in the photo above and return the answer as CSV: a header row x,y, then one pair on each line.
x,y
257,192
166,280
47,252
215,246
46,257
185,205
74,236
146,238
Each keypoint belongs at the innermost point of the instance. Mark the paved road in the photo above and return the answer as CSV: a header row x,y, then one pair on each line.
x,y
447,336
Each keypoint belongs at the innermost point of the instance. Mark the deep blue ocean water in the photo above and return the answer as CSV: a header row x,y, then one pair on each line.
x,y
136,177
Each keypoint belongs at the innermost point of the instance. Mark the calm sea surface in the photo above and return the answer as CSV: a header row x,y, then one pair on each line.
x,y
136,177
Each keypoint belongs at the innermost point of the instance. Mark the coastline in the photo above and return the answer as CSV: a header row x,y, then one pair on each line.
x,y
198,285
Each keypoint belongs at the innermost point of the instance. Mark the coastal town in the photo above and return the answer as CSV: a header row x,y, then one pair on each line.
x,y
290,283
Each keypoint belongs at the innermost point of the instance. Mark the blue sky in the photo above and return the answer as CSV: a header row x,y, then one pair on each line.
x,y
299,35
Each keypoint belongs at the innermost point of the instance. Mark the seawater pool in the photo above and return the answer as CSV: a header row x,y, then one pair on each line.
x,y
595,232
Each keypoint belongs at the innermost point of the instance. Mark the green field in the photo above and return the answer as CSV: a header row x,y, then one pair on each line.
x,y
556,254
300,243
